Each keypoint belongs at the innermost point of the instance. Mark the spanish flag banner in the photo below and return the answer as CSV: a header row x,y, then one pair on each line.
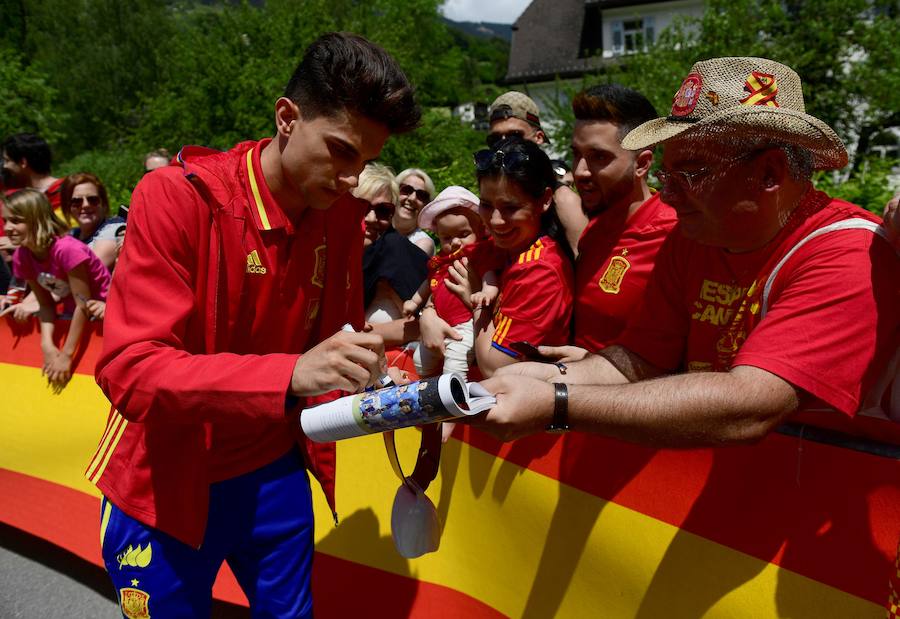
x,y
804,524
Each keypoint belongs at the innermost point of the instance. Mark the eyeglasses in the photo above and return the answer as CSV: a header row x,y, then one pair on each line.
x,y
509,162
693,180
79,201
493,139
382,210
421,194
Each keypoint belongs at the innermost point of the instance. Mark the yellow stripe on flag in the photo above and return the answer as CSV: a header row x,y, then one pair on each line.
x,y
520,542
52,437
531,547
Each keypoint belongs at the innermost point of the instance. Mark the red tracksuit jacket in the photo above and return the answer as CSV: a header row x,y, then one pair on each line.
x,y
169,319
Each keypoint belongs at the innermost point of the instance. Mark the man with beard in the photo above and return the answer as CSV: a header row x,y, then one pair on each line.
x,y
628,223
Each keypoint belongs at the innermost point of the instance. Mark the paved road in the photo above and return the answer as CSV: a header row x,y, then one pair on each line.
x,y
41,581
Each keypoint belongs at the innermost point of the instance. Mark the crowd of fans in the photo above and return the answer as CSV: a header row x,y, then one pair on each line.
x,y
591,281
59,248
497,269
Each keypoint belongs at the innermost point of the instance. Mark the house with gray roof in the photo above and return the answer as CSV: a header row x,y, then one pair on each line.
x,y
564,39
567,38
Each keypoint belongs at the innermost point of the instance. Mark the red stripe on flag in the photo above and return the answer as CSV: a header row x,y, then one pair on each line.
x,y
828,513
20,344
71,520
386,595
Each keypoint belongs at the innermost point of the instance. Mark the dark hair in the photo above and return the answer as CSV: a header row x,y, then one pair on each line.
x,y
345,71
624,107
533,172
31,148
534,175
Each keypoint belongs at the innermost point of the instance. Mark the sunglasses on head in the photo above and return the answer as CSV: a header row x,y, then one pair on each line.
x,y
382,210
486,160
92,200
421,194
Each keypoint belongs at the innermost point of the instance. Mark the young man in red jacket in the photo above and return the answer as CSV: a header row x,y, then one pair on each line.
x,y
223,322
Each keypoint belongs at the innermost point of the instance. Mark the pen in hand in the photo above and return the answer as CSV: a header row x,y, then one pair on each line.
x,y
385,380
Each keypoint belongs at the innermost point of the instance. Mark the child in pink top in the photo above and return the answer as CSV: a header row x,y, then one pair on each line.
x,y
55,266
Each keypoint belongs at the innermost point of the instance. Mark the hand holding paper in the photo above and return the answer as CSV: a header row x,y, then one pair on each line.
x,y
399,406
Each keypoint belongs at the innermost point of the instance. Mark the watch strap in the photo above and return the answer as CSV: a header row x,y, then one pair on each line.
x,y
560,421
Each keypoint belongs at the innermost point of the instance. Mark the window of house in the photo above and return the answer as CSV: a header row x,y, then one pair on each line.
x,y
633,35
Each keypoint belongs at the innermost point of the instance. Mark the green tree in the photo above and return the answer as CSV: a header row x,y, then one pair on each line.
x,y
28,103
107,81
100,55
442,146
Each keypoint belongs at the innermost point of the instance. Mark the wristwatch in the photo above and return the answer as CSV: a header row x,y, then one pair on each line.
x,y
560,421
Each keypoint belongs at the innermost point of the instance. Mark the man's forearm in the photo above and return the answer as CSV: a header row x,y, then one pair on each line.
x,y
612,366
688,410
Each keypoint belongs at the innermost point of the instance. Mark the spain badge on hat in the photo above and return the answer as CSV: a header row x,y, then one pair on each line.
x,y
686,98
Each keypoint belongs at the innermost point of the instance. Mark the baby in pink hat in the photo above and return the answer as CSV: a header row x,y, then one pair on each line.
x,y
453,216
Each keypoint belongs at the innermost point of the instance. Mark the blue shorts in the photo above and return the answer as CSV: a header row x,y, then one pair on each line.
x,y
261,523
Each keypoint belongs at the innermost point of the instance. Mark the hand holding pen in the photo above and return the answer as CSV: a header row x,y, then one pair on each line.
x,y
347,360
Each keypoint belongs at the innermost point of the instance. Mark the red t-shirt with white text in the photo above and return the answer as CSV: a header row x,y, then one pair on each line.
x,y
833,310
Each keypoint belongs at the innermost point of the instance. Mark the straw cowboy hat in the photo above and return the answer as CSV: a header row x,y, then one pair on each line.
x,y
751,95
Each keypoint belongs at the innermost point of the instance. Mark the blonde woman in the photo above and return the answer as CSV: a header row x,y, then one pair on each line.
x,y
416,190
393,268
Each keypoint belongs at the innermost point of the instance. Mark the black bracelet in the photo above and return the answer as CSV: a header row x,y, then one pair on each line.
x,y
560,421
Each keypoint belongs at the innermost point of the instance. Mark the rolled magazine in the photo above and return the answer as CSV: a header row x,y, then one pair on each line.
x,y
399,406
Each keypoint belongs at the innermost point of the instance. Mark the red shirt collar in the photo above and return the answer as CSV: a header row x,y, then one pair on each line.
x,y
265,210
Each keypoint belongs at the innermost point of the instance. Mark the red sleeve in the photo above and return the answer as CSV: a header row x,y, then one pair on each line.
x,y
535,306
150,368
833,319
659,328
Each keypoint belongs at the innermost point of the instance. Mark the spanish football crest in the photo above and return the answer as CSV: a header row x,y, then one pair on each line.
x,y
135,603
611,282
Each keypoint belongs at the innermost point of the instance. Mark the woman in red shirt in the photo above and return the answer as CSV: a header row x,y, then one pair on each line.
x,y
516,181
